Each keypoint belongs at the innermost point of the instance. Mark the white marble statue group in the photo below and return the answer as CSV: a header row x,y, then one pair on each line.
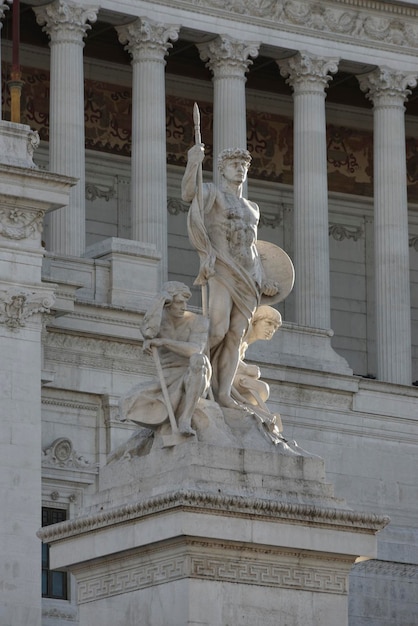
x,y
203,355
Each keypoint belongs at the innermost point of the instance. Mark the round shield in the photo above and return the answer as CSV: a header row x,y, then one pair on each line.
x,y
278,267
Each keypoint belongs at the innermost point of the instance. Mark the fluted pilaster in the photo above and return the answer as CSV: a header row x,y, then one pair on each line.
x,y
67,24
148,43
308,76
388,90
228,61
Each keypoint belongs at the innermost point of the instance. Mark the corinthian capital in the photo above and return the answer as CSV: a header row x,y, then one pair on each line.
x,y
147,40
65,22
307,71
226,56
384,86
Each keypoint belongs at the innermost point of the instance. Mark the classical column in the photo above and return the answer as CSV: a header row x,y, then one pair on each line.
x,y
66,25
148,43
388,90
3,8
229,61
309,75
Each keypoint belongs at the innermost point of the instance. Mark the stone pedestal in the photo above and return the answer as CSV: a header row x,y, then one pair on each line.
x,y
26,194
212,535
135,270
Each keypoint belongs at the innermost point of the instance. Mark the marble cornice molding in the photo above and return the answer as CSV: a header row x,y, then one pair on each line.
x,y
375,24
65,22
230,505
73,405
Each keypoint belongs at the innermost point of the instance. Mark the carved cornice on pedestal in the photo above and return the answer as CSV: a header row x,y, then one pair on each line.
x,y
307,72
226,56
145,39
17,305
227,504
385,86
65,22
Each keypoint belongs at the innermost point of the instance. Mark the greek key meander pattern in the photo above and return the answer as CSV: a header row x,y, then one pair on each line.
x,y
237,569
387,568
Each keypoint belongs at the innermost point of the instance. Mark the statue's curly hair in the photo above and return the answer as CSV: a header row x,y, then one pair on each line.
x,y
233,153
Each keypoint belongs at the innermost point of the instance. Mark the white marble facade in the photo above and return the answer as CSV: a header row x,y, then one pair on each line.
x,y
344,394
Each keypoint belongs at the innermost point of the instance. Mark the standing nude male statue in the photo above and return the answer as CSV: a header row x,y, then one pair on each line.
x,y
223,228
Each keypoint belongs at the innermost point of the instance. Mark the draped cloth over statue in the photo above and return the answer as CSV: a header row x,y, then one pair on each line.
x,y
244,286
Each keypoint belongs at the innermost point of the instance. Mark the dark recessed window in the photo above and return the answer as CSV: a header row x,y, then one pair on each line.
x,y
54,584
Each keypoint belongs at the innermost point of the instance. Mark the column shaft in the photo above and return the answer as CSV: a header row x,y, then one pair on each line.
x,y
388,91
228,60
309,76
3,8
148,44
66,25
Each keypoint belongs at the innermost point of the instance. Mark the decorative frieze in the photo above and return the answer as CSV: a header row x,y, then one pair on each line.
x,y
99,192
93,352
413,242
17,224
351,20
68,614
339,232
61,453
17,305
388,569
214,561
